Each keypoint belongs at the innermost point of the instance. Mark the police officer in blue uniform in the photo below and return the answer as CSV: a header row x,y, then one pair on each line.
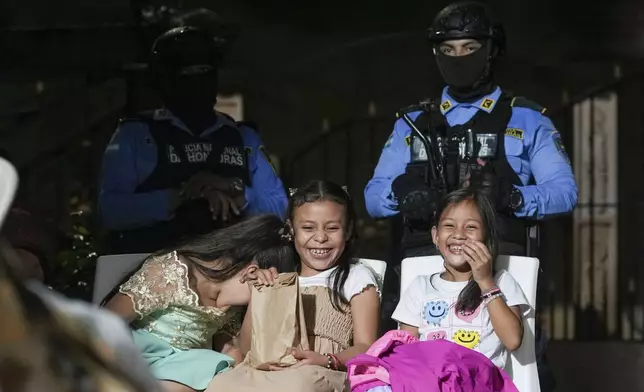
x,y
475,135
184,169
525,169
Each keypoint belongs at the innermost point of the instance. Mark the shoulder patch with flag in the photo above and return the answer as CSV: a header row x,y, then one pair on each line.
x,y
560,145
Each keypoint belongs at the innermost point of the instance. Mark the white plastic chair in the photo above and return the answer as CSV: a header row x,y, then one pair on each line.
x,y
379,267
523,366
111,269
8,187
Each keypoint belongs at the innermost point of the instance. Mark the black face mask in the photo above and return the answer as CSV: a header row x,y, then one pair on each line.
x,y
196,93
469,77
192,98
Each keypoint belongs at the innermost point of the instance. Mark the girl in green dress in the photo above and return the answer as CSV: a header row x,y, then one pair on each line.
x,y
185,304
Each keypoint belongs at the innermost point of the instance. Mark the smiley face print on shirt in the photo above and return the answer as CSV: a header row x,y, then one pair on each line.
x,y
467,338
435,311
468,315
436,335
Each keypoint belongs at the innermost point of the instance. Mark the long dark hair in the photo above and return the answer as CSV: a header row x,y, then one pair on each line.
x,y
470,297
257,238
320,190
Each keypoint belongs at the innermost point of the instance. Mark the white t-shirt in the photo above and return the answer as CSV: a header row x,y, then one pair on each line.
x,y
429,303
360,277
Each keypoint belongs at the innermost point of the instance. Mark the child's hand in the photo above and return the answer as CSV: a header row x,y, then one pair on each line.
x,y
304,357
480,260
235,353
308,357
264,277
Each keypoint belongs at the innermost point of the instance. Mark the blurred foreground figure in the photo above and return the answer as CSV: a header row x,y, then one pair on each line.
x,y
50,343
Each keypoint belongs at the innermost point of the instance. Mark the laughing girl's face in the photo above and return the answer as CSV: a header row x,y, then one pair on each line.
x,y
320,235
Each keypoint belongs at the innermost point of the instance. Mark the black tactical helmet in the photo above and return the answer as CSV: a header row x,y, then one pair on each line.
x,y
185,51
468,19
223,32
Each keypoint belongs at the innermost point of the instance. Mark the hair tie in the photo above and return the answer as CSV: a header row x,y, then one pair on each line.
x,y
285,233
346,191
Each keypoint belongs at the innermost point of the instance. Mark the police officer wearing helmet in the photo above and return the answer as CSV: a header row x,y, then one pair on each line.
x,y
475,135
184,169
502,144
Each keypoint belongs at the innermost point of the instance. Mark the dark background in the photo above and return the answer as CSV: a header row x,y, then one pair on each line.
x,y
324,79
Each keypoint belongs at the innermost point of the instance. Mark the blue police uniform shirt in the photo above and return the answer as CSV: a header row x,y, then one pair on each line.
x,y
131,157
532,145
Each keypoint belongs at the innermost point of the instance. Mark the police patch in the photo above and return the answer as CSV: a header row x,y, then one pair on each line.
x,y
559,144
488,143
515,133
229,156
408,141
445,106
268,158
487,103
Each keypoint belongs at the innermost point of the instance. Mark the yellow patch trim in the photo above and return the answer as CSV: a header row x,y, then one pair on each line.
x,y
446,105
487,103
515,133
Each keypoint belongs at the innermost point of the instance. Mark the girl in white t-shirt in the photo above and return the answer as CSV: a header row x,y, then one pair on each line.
x,y
339,296
467,304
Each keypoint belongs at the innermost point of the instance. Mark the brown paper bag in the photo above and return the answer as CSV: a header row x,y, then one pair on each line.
x,y
278,323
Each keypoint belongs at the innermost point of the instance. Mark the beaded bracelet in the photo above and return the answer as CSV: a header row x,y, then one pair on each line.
x,y
491,298
333,362
329,363
490,292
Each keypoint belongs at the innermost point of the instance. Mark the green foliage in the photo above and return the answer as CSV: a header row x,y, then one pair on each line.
x,y
76,263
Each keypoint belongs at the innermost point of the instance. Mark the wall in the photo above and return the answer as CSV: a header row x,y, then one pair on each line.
x,y
597,366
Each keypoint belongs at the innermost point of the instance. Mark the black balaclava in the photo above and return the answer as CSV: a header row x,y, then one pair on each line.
x,y
468,77
186,62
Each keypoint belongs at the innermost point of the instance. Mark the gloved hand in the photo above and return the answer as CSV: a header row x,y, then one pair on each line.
x,y
416,200
497,190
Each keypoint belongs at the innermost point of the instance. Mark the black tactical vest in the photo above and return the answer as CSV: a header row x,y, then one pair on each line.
x,y
180,155
483,136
